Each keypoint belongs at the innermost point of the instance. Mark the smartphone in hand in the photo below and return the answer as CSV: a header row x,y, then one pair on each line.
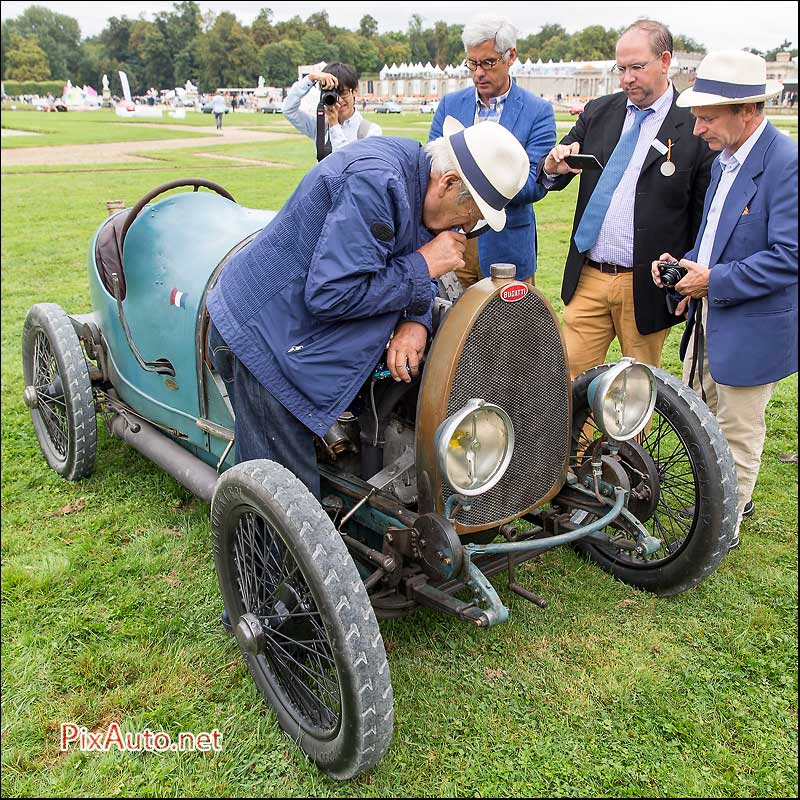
x,y
583,161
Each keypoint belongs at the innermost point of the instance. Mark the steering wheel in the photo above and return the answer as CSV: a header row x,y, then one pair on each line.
x,y
165,187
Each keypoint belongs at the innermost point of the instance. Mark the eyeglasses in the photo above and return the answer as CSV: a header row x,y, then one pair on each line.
x,y
345,92
634,69
487,64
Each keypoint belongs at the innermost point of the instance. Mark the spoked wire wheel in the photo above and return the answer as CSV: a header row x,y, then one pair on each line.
x,y
302,617
58,391
285,636
683,487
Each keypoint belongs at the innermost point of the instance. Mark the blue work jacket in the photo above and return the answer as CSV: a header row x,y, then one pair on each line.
x,y
310,305
531,120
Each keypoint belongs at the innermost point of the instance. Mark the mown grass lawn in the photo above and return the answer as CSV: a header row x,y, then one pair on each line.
x,y
110,605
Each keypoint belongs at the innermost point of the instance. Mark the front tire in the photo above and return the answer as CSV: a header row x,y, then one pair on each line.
x,y
58,391
302,617
695,515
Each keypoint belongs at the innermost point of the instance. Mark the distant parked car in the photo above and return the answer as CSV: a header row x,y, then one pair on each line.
x,y
576,109
428,107
388,108
273,107
208,110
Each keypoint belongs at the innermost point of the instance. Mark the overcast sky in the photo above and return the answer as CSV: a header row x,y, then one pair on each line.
x,y
717,25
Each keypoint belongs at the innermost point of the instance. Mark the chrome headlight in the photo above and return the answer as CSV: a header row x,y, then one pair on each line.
x,y
622,399
474,447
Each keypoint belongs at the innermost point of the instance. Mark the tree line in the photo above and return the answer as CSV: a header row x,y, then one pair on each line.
x,y
215,50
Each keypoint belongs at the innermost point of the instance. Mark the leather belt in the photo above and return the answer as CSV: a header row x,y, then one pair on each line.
x,y
611,269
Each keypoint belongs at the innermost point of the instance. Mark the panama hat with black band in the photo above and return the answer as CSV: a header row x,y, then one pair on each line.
x,y
492,164
729,77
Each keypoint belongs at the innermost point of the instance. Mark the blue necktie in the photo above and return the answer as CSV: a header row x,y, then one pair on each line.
x,y
596,208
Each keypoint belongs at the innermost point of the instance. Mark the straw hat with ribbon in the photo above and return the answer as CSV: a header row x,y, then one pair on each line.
x,y
492,163
728,77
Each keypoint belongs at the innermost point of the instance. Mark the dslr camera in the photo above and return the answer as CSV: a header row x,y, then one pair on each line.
x,y
329,97
671,272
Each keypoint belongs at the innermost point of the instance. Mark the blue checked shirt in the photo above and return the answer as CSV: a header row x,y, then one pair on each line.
x,y
493,110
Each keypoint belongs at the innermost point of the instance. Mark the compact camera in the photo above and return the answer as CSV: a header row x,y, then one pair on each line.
x,y
671,272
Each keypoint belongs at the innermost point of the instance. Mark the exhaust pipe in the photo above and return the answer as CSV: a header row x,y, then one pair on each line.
x,y
189,470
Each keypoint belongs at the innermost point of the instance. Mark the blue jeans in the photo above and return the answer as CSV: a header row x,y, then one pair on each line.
x,y
263,428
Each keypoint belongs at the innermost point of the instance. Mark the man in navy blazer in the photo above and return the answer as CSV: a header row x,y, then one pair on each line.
x,y
622,223
490,45
741,284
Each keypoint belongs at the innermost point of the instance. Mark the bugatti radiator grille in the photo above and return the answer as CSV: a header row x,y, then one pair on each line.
x,y
513,356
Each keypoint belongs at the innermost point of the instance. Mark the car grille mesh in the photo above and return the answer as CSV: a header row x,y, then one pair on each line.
x,y
513,357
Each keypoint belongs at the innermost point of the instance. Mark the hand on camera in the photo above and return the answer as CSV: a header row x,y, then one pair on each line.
x,y
332,114
324,79
443,253
695,282
656,272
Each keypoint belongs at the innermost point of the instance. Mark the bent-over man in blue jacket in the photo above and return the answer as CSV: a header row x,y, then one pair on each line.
x,y
301,317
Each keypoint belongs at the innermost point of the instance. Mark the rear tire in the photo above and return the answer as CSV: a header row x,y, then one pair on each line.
x,y
302,617
695,516
58,391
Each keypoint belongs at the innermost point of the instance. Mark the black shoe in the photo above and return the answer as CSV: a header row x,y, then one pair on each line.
x,y
226,622
749,509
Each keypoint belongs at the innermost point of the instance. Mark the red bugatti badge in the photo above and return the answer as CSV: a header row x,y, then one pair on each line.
x,y
513,292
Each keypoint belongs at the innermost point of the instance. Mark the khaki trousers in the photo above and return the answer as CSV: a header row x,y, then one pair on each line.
x,y
471,272
741,414
600,310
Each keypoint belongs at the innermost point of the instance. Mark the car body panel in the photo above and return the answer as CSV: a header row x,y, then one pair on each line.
x,y
167,266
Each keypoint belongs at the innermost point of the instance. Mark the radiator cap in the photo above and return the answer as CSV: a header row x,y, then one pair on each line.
x,y
503,272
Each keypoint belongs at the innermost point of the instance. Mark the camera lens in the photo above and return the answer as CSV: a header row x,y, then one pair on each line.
x,y
330,98
670,276
671,273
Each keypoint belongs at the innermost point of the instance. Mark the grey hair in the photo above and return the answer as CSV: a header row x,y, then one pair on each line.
x,y
442,160
487,28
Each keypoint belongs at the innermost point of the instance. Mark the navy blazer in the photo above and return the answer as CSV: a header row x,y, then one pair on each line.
x,y
532,121
751,333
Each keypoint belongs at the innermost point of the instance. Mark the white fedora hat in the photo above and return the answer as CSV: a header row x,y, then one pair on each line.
x,y
729,77
492,163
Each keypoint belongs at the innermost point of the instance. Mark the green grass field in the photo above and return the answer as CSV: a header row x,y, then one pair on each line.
x,y
110,606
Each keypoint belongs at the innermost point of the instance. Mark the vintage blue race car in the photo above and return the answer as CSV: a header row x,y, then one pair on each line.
x,y
429,488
